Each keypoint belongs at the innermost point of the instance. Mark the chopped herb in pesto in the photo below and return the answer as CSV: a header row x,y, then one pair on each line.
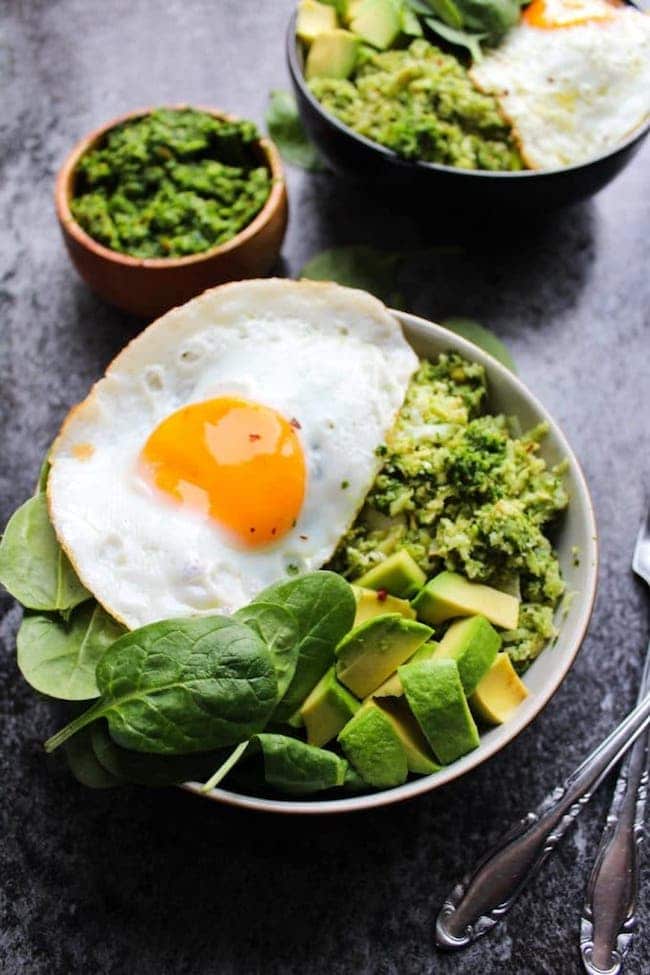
x,y
422,104
173,183
461,490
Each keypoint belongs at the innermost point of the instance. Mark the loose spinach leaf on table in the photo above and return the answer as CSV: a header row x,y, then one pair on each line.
x,y
287,131
182,686
277,627
359,266
155,771
483,337
84,765
33,566
58,656
324,606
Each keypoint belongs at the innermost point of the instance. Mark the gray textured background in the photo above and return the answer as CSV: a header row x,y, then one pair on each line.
x,y
160,882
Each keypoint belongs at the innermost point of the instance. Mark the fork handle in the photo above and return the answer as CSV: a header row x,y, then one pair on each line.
x,y
476,904
609,915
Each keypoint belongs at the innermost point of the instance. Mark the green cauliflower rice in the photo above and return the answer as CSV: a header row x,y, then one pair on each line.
x,y
422,104
464,490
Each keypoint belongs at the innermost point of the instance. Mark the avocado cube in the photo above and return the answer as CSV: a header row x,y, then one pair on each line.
x,y
371,602
392,687
313,19
450,594
349,9
378,22
410,23
369,653
327,709
399,575
473,643
499,693
434,692
333,54
373,747
419,757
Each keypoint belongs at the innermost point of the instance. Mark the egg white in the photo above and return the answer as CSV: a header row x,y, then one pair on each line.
x,y
571,92
331,357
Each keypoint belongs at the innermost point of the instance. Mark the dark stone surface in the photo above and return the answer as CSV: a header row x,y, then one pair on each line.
x,y
160,882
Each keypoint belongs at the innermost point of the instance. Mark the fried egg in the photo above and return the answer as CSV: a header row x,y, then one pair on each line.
x,y
572,78
230,445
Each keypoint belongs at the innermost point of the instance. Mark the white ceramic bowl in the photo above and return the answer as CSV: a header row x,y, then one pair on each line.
x,y
507,394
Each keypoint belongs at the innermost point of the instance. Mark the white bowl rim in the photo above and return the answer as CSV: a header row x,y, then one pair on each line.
x,y
427,783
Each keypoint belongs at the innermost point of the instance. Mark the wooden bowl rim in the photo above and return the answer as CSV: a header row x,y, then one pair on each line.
x,y
63,193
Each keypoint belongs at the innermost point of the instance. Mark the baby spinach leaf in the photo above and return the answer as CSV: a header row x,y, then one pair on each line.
x,y
43,475
58,656
461,38
151,770
361,267
286,129
492,17
291,765
33,566
448,11
277,627
483,337
182,686
324,607
84,765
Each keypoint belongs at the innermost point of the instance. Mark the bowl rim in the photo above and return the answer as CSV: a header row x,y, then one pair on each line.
x,y
298,79
63,195
428,783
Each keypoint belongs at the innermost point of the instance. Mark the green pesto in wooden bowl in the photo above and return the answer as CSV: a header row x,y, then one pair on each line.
x,y
169,184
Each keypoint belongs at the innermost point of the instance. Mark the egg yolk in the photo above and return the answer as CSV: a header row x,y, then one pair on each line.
x,y
549,14
238,462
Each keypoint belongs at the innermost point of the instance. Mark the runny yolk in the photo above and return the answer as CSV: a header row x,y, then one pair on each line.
x,y
238,462
549,14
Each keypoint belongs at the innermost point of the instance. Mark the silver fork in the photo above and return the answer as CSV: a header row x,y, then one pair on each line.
x,y
609,915
483,897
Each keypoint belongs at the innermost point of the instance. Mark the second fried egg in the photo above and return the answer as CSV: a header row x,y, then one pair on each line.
x,y
573,79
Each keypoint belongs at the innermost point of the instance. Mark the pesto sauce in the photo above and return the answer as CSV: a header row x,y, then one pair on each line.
x,y
422,104
173,183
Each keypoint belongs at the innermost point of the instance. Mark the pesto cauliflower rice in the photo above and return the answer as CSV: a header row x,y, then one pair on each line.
x,y
464,490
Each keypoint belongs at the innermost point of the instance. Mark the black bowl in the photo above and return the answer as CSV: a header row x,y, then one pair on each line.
x,y
461,190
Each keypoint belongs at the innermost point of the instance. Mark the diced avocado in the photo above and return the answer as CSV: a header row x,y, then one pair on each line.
x,y
378,22
372,746
327,709
410,23
313,19
392,687
369,653
499,692
349,9
435,695
371,603
333,54
449,594
418,754
399,574
473,643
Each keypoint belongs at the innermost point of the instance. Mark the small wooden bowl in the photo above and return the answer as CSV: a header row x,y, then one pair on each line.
x,y
147,287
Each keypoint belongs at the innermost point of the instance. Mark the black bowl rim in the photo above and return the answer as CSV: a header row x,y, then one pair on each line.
x,y
418,165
